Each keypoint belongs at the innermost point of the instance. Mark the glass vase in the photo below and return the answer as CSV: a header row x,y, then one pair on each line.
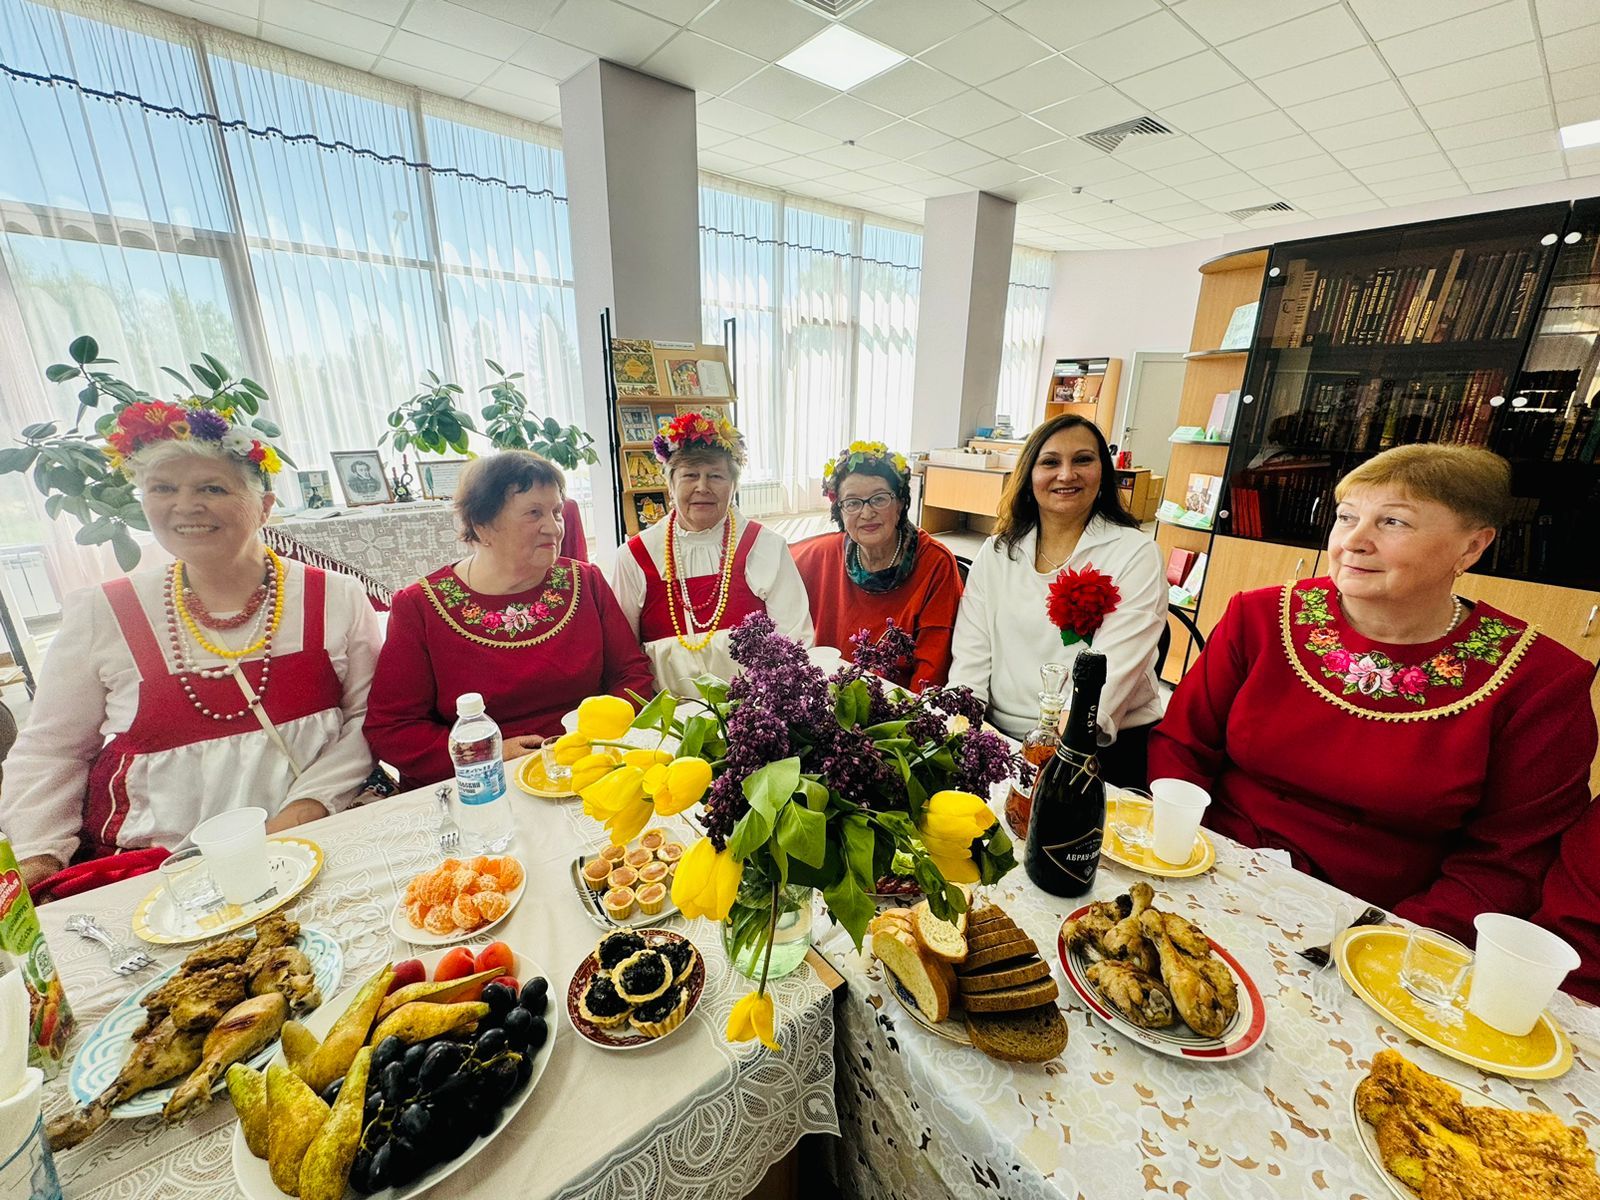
x,y
744,932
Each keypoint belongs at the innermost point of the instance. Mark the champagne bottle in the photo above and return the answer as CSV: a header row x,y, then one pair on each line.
x,y
1068,820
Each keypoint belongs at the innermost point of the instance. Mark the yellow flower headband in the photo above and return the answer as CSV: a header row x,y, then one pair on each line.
x,y
855,456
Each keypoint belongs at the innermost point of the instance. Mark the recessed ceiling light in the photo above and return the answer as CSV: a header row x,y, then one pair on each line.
x,y
841,58
1585,133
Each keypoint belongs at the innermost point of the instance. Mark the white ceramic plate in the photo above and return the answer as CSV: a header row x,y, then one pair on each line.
x,y
106,1048
293,863
251,1173
1369,1136
953,1029
401,926
627,1037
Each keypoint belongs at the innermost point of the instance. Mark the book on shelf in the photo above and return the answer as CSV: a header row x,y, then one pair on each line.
x,y
1179,563
1200,495
1196,577
1224,411
1240,327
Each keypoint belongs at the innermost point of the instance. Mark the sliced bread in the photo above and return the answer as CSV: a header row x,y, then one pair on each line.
x,y
986,915
1019,945
894,918
943,940
992,979
993,936
1013,999
924,977
1032,1035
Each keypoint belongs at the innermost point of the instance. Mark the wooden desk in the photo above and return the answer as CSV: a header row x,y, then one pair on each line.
x,y
961,498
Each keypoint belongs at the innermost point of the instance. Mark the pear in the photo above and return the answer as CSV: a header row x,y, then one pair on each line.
x,y
299,1043
447,992
417,1022
332,1059
295,1115
247,1088
326,1169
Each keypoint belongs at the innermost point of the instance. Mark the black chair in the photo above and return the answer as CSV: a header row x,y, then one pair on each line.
x,y
963,565
1186,619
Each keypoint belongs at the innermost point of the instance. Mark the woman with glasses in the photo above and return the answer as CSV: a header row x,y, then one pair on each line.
x,y
879,568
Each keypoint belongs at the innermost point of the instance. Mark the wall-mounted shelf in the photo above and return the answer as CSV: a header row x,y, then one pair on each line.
x,y
1178,441
1217,353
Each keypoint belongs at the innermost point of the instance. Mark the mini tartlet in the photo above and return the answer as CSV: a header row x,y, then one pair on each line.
x,y
623,877
659,1017
642,977
619,902
602,1005
652,898
670,853
652,840
656,872
638,859
616,946
613,853
680,956
595,872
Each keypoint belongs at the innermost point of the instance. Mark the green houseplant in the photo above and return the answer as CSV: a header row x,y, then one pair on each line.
x,y
510,427
430,420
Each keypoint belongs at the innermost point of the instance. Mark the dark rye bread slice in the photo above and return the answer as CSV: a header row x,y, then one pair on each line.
x,y
1019,945
989,914
1033,1035
992,979
993,936
1012,999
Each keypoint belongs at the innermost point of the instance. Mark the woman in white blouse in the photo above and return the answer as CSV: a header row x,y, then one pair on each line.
x,y
686,582
1062,510
230,678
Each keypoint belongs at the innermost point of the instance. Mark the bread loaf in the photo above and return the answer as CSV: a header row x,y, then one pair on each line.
x,y
943,940
992,979
927,980
1019,945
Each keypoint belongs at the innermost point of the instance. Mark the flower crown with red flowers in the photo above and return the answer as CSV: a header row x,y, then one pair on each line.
x,y
150,422
853,457
703,430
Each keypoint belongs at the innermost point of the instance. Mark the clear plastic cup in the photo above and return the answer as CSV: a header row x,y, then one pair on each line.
x,y
1131,822
1516,971
1433,968
190,885
1175,819
556,773
235,847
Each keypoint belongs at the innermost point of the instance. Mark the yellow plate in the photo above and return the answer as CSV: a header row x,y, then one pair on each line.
x,y
1369,960
293,863
1143,858
532,779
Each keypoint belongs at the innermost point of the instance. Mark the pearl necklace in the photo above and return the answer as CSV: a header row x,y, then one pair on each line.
x,y
723,588
1456,608
272,602
899,553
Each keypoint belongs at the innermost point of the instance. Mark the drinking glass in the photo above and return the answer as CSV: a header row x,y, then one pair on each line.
x,y
1178,807
1132,821
235,847
1433,969
189,882
558,775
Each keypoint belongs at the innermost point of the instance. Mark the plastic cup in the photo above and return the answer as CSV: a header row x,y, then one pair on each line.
x,y
190,885
1516,971
1178,807
1434,967
553,771
235,848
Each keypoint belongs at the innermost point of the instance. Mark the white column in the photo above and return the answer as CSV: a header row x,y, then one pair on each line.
x,y
966,270
633,184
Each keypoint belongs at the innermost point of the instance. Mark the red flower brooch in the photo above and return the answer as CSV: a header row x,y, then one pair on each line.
x,y
1080,601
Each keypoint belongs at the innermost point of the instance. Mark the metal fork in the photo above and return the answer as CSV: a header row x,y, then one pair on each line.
x,y
449,831
125,959
1321,956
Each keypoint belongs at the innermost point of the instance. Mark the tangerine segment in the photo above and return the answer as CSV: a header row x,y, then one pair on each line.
x,y
492,905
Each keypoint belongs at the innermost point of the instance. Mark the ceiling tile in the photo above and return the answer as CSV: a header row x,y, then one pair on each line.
x,y
696,62
911,26
1374,129
306,43
1146,43
1319,204
1093,110
1558,16
1573,112
847,118
1295,147
1066,23
679,12
1388,18
1046,82
1357,104
986,51
546,55
1407,185
1329,76
1483,32
1221,185
1060,158
903,139
1143,153
1315,185
1527,164
1583,161
1477,106
1163,202
1578,83
1489,151
1180,175
1031,189
908,88
708,137
1306,39
1318,165
421,77
1551,175
344,28
1529,121
1198,75
781,93
1011,137
768,29
849,158
1403,168
456,25
1251,131
797,139
1461,78
527,85
1230,104
1579,48
1420,190
390,11
994,175
955,156
614,31
1372,153
966,113
1220,21
899,172
1130,187
467,66
734,117
517,106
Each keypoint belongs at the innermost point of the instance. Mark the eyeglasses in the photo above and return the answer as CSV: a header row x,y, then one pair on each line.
x,y
855,504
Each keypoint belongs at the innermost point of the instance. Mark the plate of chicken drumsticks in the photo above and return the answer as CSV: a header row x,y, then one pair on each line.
x,y
165,1048
1156,978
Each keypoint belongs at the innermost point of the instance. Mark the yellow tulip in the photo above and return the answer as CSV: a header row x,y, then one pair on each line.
x,y
950,822
570,747
678,784
645,759
618,802
604,718
707,882
592,768
752,1018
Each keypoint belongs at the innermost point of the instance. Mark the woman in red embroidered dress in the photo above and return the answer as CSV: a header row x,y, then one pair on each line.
x,y
1417,750
231,678
532,632
686,582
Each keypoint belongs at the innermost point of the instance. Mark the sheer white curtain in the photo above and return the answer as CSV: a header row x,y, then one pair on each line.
x,y
826,301
1027,301
433,236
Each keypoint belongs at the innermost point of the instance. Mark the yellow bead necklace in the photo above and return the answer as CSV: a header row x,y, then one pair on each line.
x,y
204,642
723,586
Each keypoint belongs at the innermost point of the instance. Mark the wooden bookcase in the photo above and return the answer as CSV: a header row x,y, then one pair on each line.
x,y
1086,386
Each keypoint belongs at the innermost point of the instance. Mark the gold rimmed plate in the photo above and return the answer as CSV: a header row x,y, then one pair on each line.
x,y
531,778
292,863
1143,859
1369,960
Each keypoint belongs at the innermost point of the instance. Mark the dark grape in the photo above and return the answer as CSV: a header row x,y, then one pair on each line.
x,y
524,1068
413,1060
394,1083
500,999
361,1173
442,1061
391,1049
500,1080
331,1092
518,1022
454,1142
535,995
378,1173
414,1123
373,1108
537,1032
457,1089
405,1164
490,1042
485,1115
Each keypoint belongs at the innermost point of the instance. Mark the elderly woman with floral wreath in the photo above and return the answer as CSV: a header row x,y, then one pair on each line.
x,y
688,581
229,678
879,569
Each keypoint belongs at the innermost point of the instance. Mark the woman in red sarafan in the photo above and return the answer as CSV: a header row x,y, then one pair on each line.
x,y
1419,751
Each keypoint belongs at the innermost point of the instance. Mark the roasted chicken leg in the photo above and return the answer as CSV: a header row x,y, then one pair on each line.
x,y
1135,993
1193,992
242,1031
164,1054
287,971
1125,940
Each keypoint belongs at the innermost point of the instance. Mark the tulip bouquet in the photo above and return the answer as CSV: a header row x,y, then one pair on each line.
x,y
805,780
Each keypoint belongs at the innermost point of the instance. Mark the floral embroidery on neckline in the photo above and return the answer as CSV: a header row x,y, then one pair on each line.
x,y
1374,674
509,625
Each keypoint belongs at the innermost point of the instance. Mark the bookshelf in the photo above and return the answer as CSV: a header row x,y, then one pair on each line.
x,y
1086,386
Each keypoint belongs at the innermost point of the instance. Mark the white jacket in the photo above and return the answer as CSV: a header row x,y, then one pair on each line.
x,y
1004,635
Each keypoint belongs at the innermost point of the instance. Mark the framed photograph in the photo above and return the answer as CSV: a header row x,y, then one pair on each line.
x,y
642,470
440,477
637,426
649,507
361,477
316,489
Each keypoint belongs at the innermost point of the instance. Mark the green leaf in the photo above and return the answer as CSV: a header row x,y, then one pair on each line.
x,y
89,397
658,713
803,833
495,367
206,376
750,834
695,731
83,349
769,788
60,372
102,529
126,549
859,844
181,378
269,428
18,459
851,907
816,796
887,729
221,371
254,388
39,429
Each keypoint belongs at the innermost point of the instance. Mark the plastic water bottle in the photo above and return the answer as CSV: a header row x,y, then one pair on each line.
x,y
482,810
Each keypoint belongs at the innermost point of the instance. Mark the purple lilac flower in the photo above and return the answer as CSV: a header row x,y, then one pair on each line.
x,y
982,760
957,701
724,805
207,425
888,655
855,769
756,736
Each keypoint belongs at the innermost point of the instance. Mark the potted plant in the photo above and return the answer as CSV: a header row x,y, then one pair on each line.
x,y
509,426
430,420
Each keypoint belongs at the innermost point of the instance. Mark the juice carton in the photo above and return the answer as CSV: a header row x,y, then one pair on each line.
x,y
50,1021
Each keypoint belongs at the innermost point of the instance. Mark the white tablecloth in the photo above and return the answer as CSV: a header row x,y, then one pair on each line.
x,y
690,1117
388,546
923,1117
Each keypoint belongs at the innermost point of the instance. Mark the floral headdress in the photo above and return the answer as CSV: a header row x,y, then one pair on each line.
x,y
147,423
853,457
700,430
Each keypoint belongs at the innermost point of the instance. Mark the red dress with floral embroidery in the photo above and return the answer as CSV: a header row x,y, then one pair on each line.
x,y
533,656
1432,779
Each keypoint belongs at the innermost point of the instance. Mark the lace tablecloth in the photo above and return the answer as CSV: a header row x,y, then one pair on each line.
x,y
923,1117
690,1117
386,546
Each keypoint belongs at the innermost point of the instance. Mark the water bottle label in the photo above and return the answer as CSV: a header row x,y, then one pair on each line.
x,y
481,783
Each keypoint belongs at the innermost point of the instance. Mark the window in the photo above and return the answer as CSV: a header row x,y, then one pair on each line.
x,y
1027,301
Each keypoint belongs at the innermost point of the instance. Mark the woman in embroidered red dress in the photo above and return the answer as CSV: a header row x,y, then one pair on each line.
x,y
1419,751
143,724
532,632
686,582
